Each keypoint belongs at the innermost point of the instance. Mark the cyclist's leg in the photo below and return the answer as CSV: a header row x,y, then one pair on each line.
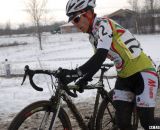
x,y
157,121
147,119
146,99
123,102
123,114
146,116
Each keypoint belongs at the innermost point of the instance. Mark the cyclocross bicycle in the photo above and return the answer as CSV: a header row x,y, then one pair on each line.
x,y
50,114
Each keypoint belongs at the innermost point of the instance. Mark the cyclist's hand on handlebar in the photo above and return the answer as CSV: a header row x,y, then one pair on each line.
x,y
82,83
68,76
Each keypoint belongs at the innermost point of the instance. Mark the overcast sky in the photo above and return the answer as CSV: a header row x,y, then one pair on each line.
x,y
13,10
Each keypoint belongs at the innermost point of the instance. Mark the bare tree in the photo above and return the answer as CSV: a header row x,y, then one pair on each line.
x,y
7,29
37,11
135,8
150,10
134,5
157,4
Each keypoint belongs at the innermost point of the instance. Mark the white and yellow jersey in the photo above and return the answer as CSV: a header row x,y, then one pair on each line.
x,y
123,48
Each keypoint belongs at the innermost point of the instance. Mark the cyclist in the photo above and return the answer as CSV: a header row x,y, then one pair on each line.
x,y
158,72
137,77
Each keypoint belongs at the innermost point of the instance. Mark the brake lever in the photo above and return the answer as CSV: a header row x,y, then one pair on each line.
x,y
24,78
71,93
74,90
30,73
25,74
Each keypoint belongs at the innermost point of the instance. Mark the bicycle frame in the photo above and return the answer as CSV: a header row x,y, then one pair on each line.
x,y
61,94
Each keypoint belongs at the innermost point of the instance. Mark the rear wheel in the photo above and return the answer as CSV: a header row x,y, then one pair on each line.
x,y
106,117
37,116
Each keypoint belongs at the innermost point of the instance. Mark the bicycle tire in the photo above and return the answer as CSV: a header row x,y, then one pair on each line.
x,y
104,120
30,117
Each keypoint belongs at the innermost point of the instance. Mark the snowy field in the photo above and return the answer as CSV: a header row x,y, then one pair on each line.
x,y
66,51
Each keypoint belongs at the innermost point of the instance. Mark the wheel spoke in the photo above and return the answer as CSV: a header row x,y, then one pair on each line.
x,y
44,120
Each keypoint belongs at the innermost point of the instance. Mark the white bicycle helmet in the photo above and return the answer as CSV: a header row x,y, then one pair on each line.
x,y
74,6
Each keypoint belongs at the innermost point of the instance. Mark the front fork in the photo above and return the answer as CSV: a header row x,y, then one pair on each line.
x,y
55,114
45,119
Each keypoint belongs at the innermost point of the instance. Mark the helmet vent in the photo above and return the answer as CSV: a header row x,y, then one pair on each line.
x,y
79,5
70,7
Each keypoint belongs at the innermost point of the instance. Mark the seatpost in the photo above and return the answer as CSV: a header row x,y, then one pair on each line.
x,y
102,73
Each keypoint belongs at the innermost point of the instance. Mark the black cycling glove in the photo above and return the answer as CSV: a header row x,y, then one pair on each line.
x,y
67,76
83,82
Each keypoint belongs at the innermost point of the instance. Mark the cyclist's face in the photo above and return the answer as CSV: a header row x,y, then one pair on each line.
x,y
81,21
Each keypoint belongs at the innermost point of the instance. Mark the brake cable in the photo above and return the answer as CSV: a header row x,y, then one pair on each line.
x,y
45,77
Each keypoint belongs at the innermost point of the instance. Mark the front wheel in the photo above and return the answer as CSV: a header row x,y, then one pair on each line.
x,y
38,115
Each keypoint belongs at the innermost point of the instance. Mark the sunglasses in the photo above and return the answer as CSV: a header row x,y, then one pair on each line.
x,y
77,18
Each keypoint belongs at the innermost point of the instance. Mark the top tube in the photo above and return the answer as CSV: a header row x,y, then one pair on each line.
x,y
87,87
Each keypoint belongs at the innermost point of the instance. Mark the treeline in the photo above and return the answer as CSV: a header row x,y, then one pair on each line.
x,y
23,29
147,18
148,22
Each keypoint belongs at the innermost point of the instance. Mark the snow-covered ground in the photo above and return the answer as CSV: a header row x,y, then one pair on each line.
x,y
66,51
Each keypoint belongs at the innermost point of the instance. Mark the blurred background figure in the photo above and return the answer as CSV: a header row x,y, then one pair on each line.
x,y
7,68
